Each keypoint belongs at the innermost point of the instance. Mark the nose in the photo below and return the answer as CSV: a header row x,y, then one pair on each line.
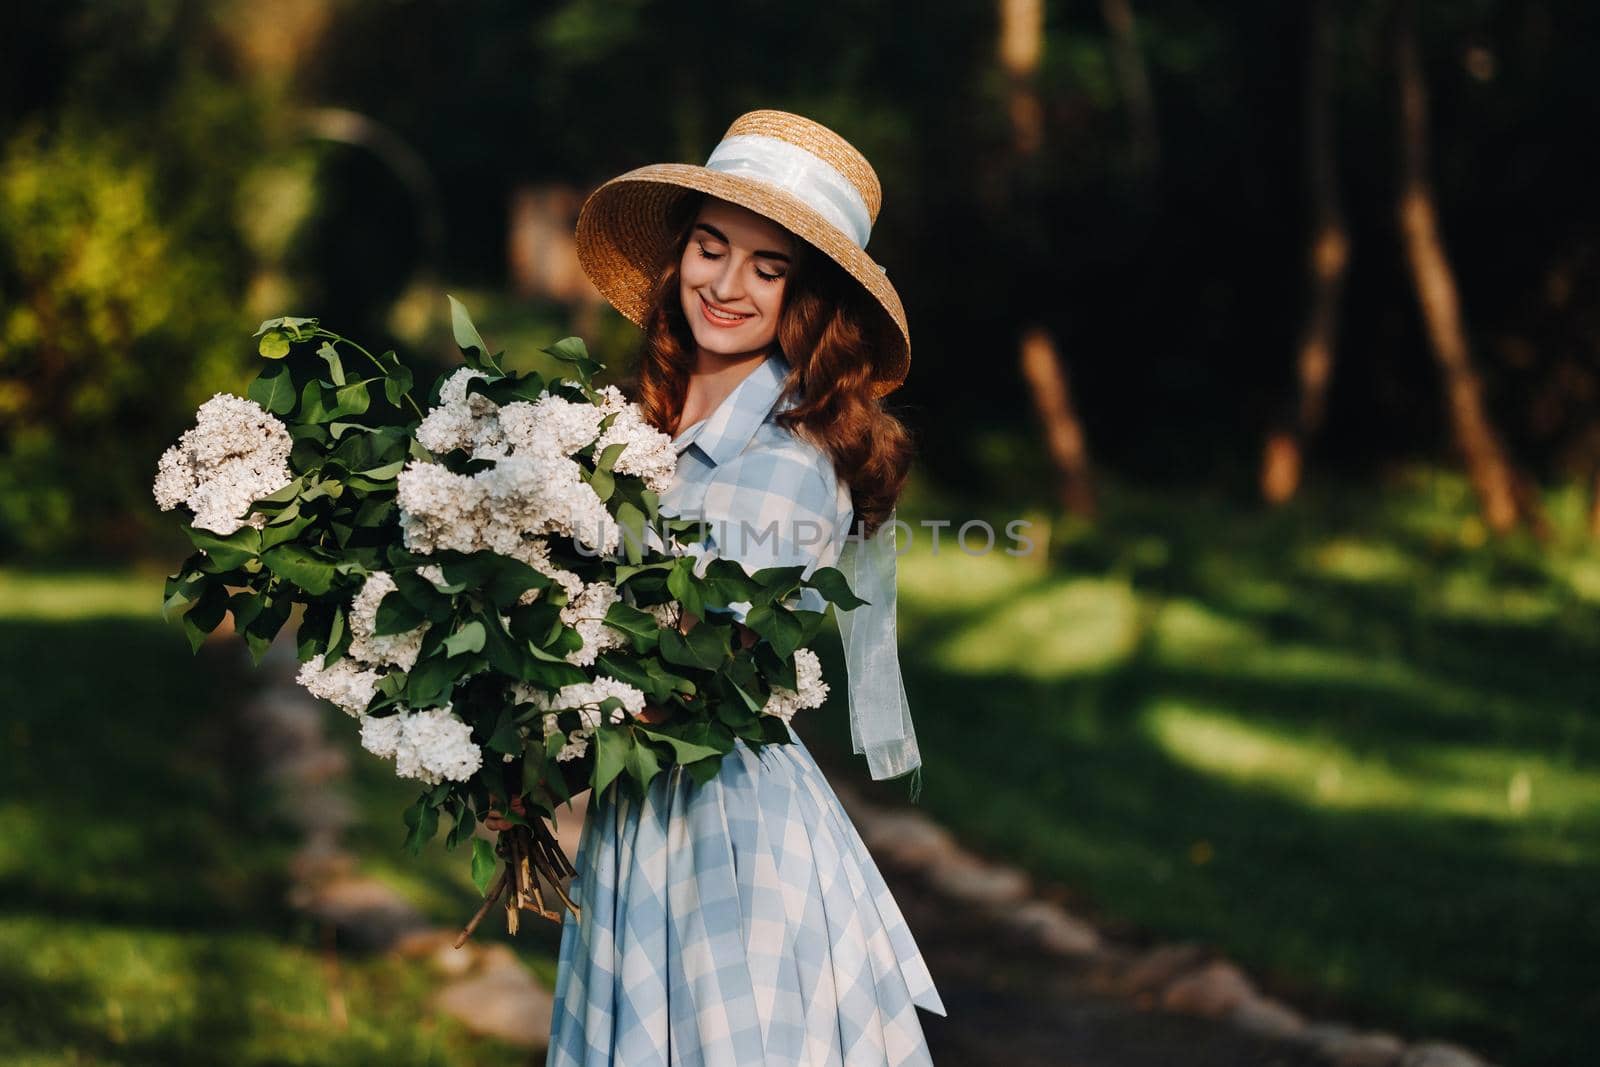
x,y
725,286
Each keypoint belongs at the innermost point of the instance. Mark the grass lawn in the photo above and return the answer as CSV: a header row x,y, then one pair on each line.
x,y
141,915
1352,743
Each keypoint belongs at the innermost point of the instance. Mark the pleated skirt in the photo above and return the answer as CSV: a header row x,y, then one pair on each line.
x,y
735,924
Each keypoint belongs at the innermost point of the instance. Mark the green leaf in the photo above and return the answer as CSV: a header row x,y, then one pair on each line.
x,y
296,328
642,762
234,550
398,381
310,572
473,350
352,399
510,579
469,638
683,584
684,751
430,682
507,737
274,344
330,355
611,746
637,624
396,615
632,521
183,588
779,626
831,583
706,646
780,579
484,865
273,389
422,822
609,457
205,616
316,403
572,350
603,483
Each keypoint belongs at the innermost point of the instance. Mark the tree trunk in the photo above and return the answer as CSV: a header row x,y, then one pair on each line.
x,y
1134,77
1327,256
1063,433
1487,467
1021,44
1020,48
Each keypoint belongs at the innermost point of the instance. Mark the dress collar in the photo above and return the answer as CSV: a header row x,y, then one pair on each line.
x,y
725,432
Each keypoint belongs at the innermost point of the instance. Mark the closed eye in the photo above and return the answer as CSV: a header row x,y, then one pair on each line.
x,y
763,275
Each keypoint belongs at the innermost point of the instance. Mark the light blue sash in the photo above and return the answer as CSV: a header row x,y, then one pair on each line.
x,y
880,714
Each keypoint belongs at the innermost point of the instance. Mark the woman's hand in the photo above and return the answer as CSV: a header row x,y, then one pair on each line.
x,y
496,820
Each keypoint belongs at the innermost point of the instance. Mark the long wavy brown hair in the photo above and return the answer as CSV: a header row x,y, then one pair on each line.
x,y
827,333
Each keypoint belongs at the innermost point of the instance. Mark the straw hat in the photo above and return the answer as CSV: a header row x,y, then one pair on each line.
x,y
790,169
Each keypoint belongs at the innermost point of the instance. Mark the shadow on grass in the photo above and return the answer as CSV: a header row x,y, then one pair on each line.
x,y
142,916
1305,747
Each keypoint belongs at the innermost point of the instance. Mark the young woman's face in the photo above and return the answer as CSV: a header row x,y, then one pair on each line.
x,y
732,277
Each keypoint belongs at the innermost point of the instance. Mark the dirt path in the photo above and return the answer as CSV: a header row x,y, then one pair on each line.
x,y
1027,984
1015,1005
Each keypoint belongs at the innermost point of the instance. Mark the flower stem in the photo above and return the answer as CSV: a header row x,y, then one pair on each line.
x,y
376,362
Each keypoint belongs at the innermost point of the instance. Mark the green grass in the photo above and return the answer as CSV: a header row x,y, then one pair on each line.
x,y
141,887
1352,743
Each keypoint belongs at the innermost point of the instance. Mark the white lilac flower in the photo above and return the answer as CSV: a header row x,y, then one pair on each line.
x,y
397,650
235,454
648,453
439,509
460,421
381,736
667,615
435,746
574,744
542,493
586,613
812,692
348,684
550,426
585,698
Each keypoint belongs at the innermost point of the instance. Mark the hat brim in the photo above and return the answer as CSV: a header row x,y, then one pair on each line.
x,y
624,235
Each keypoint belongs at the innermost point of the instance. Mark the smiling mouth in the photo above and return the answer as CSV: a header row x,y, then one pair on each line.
x,y
717,316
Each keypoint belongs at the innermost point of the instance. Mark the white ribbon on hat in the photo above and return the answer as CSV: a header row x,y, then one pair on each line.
x,y
880,714
795,170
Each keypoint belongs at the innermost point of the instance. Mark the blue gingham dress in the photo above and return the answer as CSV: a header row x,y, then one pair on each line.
x,y
741,922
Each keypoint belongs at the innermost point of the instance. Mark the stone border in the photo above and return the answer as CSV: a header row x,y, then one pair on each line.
x,y
483,985
488,989
1181,977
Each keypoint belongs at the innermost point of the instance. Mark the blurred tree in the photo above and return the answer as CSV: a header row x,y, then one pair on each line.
x,y
1021,43
1327,256
122,263
1134,79
1487,464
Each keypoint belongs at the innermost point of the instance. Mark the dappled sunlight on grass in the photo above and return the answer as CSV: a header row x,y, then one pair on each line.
x,y
142,913
951,581
1356,560
1315,769
1349,741
79,595
1063,629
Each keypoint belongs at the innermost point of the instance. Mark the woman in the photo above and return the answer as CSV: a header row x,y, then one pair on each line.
x,y
743,922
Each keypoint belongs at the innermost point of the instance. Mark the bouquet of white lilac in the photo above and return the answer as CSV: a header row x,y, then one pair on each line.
x,y
487,587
